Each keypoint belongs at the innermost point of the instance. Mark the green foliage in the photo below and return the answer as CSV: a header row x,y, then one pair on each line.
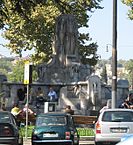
x,y
29,24
129,67
29,130
129,3
14,69
88,53
5,66
17,74
104,75
86,131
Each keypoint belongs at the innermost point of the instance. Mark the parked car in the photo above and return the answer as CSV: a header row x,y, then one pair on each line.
x,y
112,124
9,131
55,128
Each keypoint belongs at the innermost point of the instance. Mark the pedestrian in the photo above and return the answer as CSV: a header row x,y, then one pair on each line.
x,y
26,108
15,110
128,103
39,97
52,95
69,110
30,112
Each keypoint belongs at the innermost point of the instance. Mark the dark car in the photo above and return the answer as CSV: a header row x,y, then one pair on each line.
x,y
55,128
9,131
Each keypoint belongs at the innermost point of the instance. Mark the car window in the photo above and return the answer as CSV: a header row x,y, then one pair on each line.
x,y
51,120
4,118
115,116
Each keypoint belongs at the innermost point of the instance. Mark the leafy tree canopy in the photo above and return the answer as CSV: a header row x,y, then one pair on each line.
x,y
129,67
29,24
130,4
14,69
104,75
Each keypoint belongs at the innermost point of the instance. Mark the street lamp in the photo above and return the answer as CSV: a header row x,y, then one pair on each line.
x,y
107,47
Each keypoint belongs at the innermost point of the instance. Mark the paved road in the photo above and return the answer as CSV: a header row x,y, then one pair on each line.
x,y
28,142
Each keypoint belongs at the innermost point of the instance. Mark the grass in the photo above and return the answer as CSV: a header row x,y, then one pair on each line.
x,y
81,131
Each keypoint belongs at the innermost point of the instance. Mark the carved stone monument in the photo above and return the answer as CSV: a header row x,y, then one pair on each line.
x,y
65,66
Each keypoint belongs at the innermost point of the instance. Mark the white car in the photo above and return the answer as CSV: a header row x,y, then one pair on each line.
x,y
112,125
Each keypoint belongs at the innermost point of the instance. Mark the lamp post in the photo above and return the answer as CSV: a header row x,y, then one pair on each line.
x,y
114,55
107,47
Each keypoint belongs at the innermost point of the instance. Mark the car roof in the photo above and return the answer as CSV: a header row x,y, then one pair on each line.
x,y
118,109
54,114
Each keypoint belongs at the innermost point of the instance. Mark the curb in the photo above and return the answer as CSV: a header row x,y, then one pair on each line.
x,y
82,138
86,138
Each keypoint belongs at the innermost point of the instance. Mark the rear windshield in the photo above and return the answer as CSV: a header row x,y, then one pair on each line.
x,y
50,120
115,116
4,118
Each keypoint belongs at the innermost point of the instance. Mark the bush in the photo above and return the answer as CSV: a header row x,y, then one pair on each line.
x,y
86,131
29,130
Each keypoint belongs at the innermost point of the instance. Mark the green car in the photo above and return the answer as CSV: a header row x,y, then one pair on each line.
x,y
55,128
9,130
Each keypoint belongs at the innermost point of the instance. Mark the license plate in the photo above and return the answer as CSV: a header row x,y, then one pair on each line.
x,y
118,130
50,135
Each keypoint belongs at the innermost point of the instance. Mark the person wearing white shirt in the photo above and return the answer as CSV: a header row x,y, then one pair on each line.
x,y
52,95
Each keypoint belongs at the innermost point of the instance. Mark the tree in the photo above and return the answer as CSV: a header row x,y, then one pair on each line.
x,y
17,74
29,24
129,3
14,69
5,66
129,67
104,75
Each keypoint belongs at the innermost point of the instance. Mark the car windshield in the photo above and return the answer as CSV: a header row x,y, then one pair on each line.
x,y
50,120
118,116
4,118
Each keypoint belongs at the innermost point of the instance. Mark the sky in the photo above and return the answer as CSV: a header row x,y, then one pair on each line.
x,y
100,29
